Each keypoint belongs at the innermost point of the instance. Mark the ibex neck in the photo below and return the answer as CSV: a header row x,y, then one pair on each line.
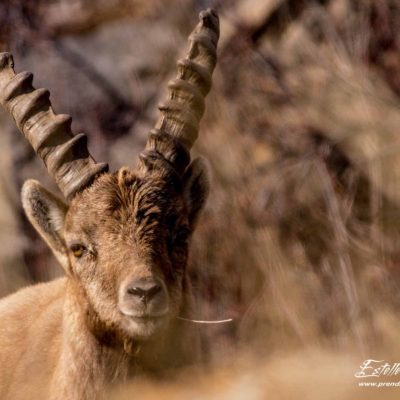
x,y
86,365
93,357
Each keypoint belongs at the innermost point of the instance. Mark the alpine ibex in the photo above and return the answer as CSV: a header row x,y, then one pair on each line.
x,y
122,241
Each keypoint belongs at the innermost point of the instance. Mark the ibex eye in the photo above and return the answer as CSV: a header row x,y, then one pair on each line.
x,y
77,250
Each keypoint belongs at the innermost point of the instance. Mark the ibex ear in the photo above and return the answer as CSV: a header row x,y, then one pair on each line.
x,y
196,187
46,213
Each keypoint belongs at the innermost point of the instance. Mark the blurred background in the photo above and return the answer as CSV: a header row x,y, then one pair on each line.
x,y
299,242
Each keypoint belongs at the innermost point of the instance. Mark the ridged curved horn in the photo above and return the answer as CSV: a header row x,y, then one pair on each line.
x,y
66,156
177,128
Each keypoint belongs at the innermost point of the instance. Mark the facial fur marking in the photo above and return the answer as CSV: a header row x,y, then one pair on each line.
x,y
154,209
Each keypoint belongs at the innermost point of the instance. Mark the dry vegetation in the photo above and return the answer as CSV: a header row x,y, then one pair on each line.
x,y
300,239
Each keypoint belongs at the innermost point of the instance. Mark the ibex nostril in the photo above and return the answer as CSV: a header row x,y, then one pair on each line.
x,y
153,291
145,290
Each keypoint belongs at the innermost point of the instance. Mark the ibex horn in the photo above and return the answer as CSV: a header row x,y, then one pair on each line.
x,y
66,156
177,128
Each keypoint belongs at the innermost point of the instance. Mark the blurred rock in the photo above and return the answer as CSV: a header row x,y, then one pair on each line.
x,y
13,272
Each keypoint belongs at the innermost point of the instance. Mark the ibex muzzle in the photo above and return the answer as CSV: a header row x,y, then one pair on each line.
x,y
143,298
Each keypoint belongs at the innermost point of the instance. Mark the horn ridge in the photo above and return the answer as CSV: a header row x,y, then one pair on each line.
x,y
17,85
65,156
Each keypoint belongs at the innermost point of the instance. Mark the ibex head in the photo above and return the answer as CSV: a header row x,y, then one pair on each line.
x,y
123,238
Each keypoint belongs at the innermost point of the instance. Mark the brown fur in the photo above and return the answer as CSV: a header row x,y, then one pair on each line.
x,y
68,339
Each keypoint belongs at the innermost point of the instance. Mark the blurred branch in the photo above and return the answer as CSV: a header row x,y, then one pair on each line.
x,y
80,16
89,70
